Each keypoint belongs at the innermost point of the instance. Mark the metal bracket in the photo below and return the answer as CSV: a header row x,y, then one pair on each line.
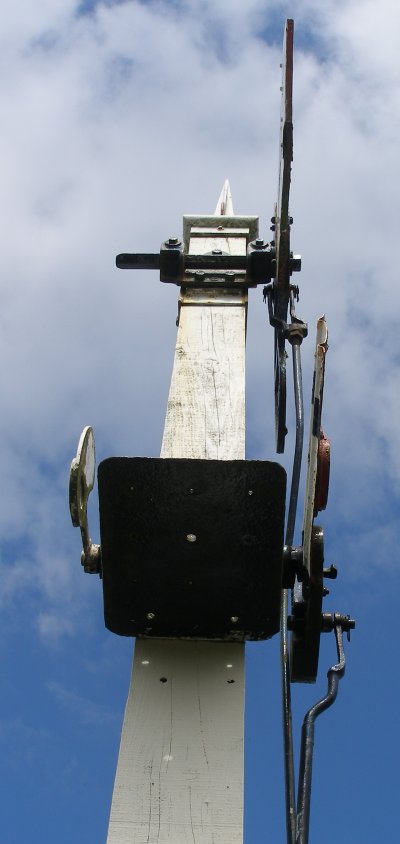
x,y
338,623
210,269
81,481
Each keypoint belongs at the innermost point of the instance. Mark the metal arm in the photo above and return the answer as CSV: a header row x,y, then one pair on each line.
x,y
339,623
295,338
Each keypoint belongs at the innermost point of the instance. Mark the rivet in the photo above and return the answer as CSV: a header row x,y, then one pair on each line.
x,y
191,537
150,615
234,619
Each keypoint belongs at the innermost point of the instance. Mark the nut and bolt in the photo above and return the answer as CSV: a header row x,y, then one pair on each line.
x,y
331,573
295,263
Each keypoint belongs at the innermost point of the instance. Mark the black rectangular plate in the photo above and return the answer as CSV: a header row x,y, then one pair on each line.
x,y
192,548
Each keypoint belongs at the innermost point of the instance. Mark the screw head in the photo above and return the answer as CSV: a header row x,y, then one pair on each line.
x,y
259,242
150,616
217,252
191,537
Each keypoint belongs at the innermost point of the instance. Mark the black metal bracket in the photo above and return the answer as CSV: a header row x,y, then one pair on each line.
x,y
216,268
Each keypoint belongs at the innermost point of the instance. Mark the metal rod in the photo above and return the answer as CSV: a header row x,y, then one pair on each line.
x,y
290,787
307,741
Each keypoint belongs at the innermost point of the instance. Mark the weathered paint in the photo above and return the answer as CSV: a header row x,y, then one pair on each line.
x,y
180,769
178,778
315,427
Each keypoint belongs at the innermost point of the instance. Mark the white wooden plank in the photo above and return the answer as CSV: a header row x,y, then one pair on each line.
x,y
178,775
205,415
180,769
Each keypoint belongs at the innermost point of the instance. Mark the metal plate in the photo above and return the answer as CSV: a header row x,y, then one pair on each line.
x,y
306,634
192,548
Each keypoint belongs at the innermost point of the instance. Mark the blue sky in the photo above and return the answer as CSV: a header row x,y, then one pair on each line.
x,y
117,119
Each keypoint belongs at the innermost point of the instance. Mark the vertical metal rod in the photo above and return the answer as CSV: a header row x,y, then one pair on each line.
x,y
307,741
290,787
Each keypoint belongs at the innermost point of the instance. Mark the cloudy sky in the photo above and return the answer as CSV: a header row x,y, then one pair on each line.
x,y
117,118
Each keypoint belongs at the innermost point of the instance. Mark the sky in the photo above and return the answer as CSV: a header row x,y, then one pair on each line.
x,y
118,118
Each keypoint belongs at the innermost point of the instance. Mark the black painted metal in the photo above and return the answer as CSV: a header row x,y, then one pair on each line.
x,y
306,619
177,267
192,548
282,223
290,787
307,741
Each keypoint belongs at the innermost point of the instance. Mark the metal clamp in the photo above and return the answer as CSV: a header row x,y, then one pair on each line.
x,y
206,269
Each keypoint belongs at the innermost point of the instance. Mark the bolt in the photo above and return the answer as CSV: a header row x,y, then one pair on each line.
x,y
217,252
259,242
331,573
173,241
325,592
295,263
191,537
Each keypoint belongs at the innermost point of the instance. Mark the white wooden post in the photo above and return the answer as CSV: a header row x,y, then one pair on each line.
x,y
179,777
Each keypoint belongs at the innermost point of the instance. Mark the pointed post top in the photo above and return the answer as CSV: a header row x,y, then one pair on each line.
x,y
224,205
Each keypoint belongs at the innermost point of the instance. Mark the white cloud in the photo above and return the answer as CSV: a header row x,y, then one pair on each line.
x,y
88,711
117,123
